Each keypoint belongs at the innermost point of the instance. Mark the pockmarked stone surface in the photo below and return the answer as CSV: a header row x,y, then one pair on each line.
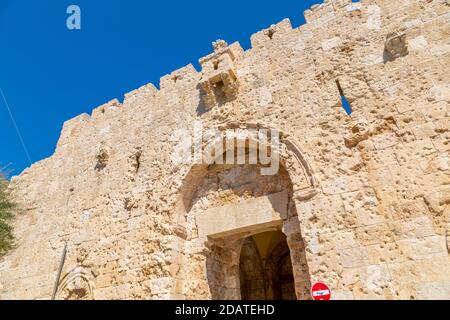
x,y
362,200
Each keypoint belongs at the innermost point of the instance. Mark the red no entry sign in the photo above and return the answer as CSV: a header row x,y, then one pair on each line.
x,y
320,291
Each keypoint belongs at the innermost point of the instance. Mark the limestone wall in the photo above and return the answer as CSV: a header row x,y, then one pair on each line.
x,y
374,220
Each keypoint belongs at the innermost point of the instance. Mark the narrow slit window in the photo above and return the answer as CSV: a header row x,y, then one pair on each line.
x,y
344,102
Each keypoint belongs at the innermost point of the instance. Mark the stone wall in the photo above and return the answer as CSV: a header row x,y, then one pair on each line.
x,y
369,201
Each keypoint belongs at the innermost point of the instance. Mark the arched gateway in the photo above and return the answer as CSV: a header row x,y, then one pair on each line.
x,y
236,225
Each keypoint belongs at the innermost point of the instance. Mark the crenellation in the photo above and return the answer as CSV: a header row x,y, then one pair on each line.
x,y
273,33
139,96
237,50
320,15
340,4
108,109
72,128
76,122
185,76
104,122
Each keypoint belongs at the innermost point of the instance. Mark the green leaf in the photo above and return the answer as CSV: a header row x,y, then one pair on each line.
x,y
7,212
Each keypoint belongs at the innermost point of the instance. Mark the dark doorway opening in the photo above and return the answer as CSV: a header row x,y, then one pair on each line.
x,y
265,268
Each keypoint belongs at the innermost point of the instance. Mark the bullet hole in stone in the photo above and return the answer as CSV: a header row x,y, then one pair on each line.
x,y
270,33
102,160
129,204
137,162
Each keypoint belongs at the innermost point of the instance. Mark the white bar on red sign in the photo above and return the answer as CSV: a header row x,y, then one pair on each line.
x,y
321,293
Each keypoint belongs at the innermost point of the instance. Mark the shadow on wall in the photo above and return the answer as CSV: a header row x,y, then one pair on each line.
x,y
266,269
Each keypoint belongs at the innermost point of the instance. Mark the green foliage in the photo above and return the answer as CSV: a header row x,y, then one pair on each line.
x,y
7,211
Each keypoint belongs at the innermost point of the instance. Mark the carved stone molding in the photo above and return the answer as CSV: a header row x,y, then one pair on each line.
x,y
76,285
219,81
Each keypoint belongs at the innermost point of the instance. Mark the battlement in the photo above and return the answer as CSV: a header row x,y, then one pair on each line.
x,y
110,108
72,127
148,91
178,78
219,67
318,15
274,32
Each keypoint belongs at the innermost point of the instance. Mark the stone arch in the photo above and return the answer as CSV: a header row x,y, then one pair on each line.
x,y
76,285
196,244
290,154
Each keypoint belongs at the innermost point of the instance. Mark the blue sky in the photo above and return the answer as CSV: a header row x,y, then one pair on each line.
x,y
49,74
